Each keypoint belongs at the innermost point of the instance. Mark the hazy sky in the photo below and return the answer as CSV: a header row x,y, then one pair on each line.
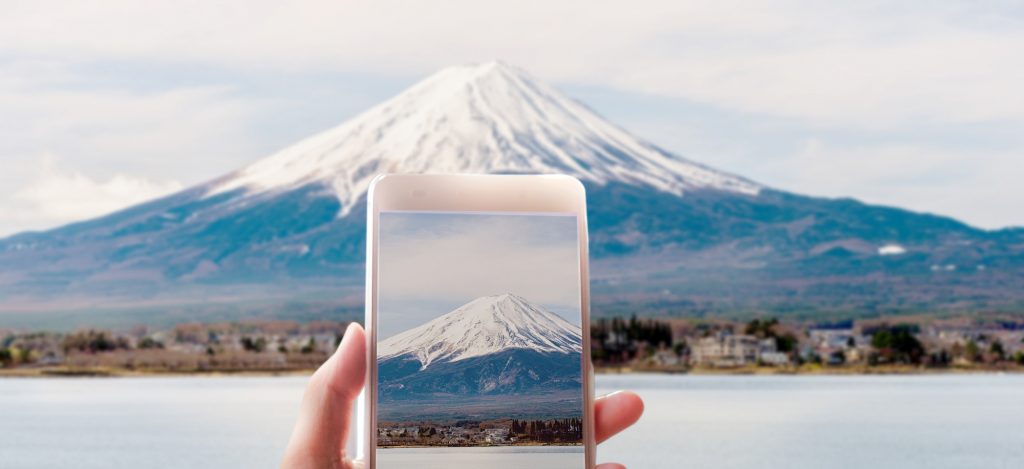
x,y
909,103
432,263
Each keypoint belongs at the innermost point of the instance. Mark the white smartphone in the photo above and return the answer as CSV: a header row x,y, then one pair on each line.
x,y
477,314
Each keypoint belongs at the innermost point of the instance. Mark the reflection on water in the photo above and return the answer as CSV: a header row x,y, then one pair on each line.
x,y
911,422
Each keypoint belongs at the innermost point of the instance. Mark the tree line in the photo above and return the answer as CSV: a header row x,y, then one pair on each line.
x,y
548,431
617,339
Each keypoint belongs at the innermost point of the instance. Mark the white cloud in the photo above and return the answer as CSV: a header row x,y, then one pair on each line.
x,y
866,64
56,196
892,71
160,131
125,145
432,263
984,192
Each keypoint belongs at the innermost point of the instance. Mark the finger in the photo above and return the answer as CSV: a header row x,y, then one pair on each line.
x,y
610,465
615,412
319,437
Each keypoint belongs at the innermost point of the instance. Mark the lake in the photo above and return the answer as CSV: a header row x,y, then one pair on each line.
x,y
907,422
475,458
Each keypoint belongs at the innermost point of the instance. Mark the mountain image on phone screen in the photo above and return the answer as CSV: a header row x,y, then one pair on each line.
x,y
479,340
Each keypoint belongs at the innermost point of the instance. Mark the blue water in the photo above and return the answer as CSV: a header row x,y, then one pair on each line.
x,y
909,422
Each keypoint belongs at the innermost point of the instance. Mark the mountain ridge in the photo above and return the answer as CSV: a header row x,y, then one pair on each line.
x,y
483,326
483,118
667,235
493,345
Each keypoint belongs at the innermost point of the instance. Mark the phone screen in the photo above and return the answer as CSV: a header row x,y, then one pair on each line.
x,y
479,347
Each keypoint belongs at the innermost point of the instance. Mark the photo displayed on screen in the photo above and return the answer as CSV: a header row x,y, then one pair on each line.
x,y
479,343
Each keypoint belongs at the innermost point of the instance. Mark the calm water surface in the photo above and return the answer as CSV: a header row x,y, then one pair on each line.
x,y
476,458
910,422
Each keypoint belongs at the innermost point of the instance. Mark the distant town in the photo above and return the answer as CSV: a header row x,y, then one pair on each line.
x,y
244,346
767,345
763,345
507,432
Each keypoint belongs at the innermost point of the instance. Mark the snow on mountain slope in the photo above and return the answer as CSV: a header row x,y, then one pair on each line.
x,y
486,325
485,118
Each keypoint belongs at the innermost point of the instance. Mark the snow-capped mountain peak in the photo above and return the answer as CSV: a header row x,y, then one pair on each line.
x,y
484,118
486,325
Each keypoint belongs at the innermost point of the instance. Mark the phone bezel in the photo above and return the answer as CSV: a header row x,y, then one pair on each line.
x,y
471,193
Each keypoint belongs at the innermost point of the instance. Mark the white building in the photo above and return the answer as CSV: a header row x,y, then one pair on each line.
x,y
728,350
724,350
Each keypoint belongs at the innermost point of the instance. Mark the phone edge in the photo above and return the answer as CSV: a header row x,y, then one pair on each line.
x,y
366,417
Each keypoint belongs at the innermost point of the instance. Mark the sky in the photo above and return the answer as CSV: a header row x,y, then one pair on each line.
x,y
915,104
432,263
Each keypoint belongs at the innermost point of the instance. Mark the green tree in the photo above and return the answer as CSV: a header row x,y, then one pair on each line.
x,y
6,357
681,347
897,344
93,341
150,343
940,359
972,352
310,346
254,345
762,328
22,355
997,350
786,343
837,358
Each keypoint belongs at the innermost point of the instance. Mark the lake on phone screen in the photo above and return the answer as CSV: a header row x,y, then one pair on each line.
x,y
949,421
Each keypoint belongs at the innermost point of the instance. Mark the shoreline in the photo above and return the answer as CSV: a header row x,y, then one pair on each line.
x,y
807,370
105,372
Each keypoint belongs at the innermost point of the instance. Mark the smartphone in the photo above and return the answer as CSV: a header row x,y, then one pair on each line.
x,y
477,313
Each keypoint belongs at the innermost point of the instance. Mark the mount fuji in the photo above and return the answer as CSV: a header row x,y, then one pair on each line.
x,y
284,236
484,326
492,345
487,118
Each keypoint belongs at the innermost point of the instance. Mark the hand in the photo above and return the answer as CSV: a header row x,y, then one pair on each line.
x,y
318,440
